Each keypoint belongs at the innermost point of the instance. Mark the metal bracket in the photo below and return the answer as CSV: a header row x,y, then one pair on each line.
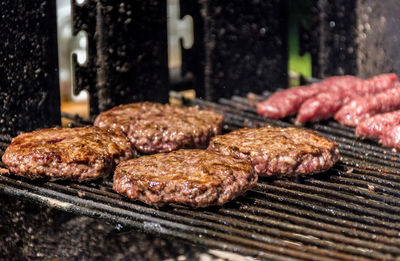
x,y
180,35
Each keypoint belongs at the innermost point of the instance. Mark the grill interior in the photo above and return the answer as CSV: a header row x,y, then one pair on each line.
x,y
350,211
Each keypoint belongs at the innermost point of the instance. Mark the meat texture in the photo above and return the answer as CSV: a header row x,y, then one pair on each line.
x,y
67,153
361,108
375,126
382,82
198,178
326,104
322,106
154,127
279,151
121,117
287,102
391,137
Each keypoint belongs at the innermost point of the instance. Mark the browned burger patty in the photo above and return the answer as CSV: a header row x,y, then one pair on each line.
x,y
198,178
279,151
154,127
67,153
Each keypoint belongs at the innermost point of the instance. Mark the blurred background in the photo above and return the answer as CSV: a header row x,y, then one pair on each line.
x,y
67,45
179,30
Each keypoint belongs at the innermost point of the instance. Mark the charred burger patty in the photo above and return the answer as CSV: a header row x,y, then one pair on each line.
x,y
279,151
198,178
154,127
67,153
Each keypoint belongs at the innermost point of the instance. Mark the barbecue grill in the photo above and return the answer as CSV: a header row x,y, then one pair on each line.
x,y
349,212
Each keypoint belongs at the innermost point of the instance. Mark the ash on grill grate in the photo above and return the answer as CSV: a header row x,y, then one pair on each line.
x,y
348,212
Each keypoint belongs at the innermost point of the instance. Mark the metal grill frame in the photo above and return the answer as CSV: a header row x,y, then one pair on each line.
x,y
348,212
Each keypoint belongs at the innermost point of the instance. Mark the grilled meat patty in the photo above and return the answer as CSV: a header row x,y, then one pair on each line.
x,y
154,127
198,178
67,153
279,151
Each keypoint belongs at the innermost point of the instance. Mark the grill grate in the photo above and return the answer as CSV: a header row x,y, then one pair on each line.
x,y
349,212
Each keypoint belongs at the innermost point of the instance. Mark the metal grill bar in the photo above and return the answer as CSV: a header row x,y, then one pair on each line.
x,y
146,226
355,163
316,237
333,207
298,212
361,183
379,206
320,239
160,224
277,219
386,174
351,190
375,177
146,223
222,219
347,213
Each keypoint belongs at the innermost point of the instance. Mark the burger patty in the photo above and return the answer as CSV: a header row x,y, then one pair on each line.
x,y
154,127
67,153
198,178
279,151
